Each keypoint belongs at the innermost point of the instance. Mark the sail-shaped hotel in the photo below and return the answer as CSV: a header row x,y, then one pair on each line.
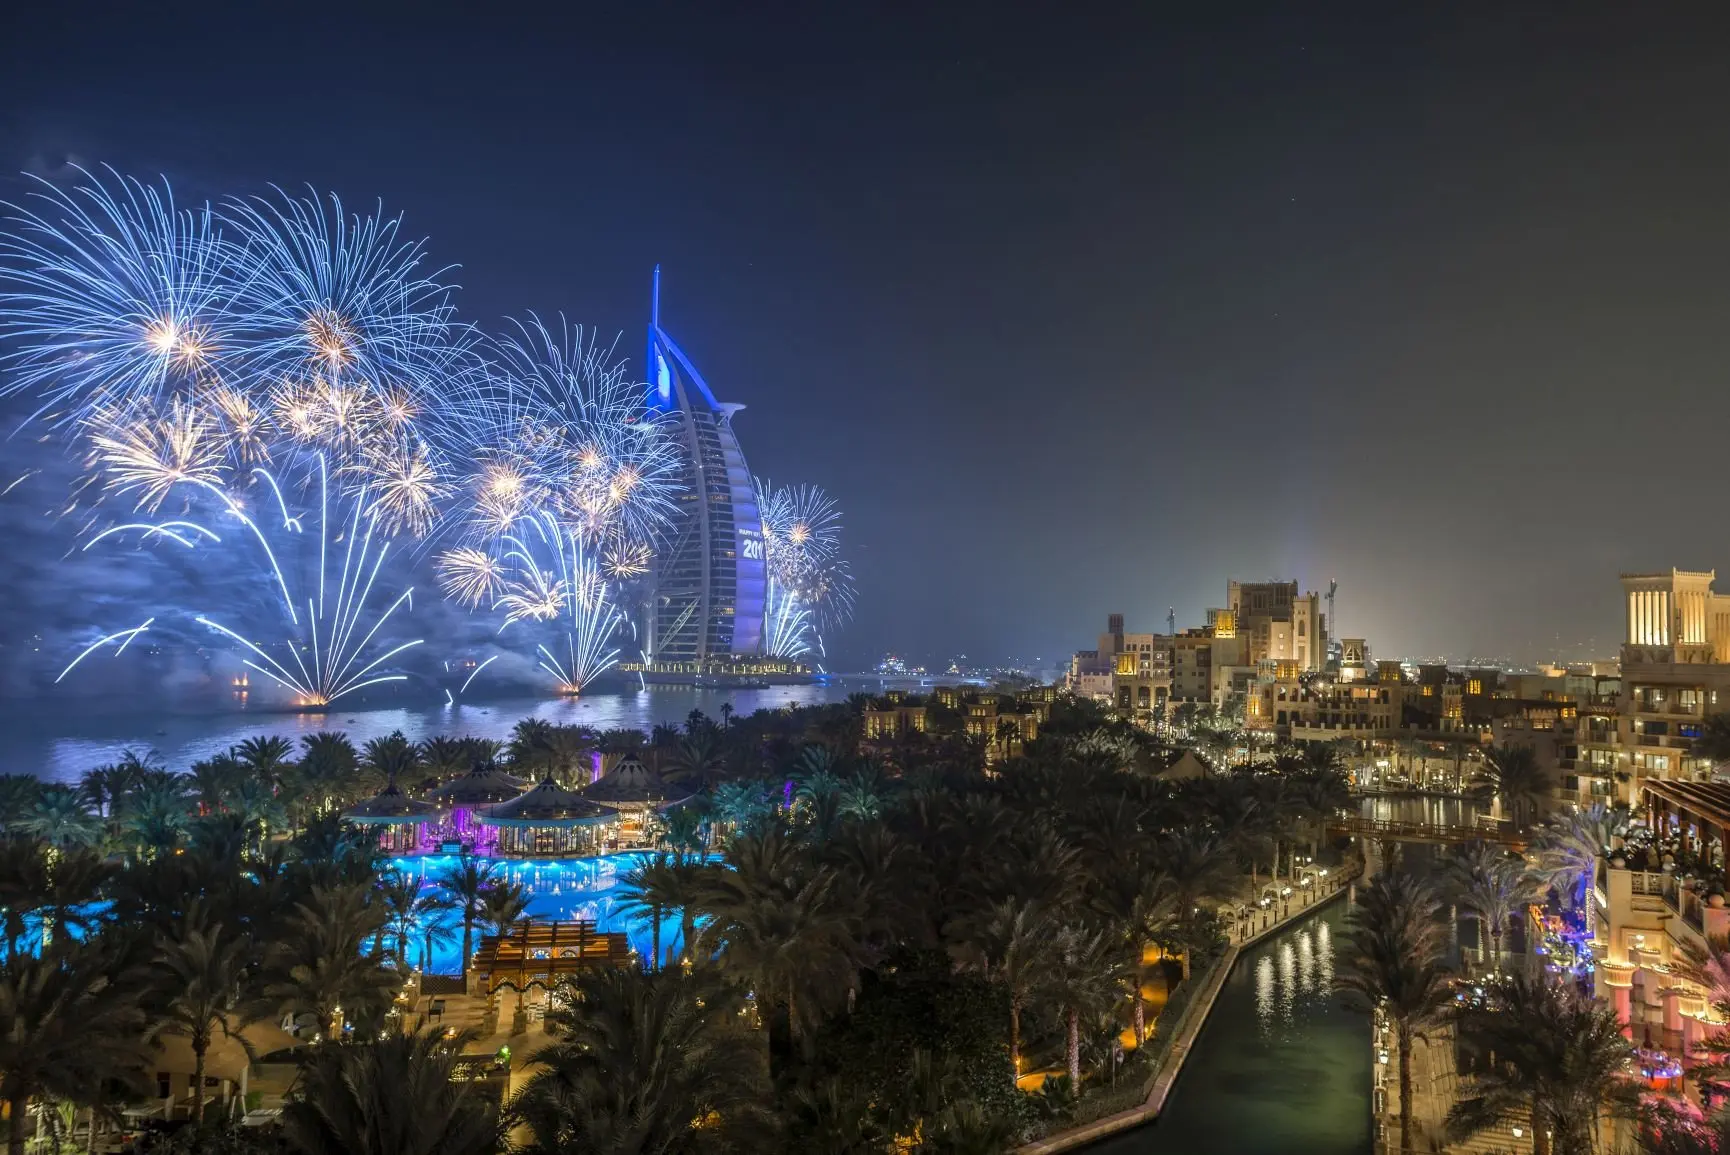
x,y
704,618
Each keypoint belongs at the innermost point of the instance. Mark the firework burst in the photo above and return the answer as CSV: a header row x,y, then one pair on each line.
x,y
146,456
802,547
111,297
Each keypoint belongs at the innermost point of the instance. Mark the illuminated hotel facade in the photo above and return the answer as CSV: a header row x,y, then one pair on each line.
x,y
706,606
1675,672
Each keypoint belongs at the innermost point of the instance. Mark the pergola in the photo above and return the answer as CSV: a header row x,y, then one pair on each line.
x,y
535,953
549,820
400,819
1696,812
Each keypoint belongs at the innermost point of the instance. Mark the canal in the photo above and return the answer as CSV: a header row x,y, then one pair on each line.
x,y
1281,1068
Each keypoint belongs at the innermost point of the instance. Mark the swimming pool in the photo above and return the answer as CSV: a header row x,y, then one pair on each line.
x,y
570,889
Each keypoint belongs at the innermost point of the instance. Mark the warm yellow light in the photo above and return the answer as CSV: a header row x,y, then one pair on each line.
x,y
163,336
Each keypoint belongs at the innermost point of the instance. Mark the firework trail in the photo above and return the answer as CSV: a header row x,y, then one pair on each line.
x,y
325,566
224,333
542,574
555,425
787,629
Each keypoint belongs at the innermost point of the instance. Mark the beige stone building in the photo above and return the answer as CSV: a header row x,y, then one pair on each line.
x,y
1675,671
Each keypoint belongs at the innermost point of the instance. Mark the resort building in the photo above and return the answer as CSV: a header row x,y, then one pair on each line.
x,y
465,799
709,585
1278,623
402,822
636,795
1675,671
1660,898
549,821
893,716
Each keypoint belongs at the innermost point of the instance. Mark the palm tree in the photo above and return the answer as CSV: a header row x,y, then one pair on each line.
x,y
1514,775
1200,869
1320,795
201,980
396,1096
215,780
503,904
661,883
18,794
1395,963
1713,744
445,757
60,818
409,910
69,1029
740,804
787,927
24,886
1010,941
75,875
328,769
391,758
1569,850
1493,886
101,788
467,881
326,963
1083,974
156,811
531,746
268,755
1140,906
1557,1060
642,1059
698,759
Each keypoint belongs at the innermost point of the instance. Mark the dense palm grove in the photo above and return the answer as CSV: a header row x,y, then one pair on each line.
x,y
872,947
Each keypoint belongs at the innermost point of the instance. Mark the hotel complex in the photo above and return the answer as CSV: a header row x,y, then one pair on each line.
x,y
709,588
1602,728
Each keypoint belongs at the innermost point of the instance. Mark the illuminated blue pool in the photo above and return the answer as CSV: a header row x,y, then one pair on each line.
x,y
569,890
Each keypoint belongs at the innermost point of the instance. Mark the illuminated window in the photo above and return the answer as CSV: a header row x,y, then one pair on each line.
x,y
1475,686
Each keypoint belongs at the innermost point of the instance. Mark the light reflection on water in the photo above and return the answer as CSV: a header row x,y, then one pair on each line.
x,y
1301,963
1282,1067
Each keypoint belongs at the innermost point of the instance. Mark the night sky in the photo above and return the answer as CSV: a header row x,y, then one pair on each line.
x,y
1075,308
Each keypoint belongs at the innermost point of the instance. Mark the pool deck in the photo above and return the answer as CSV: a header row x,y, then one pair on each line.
x,y
1190,1022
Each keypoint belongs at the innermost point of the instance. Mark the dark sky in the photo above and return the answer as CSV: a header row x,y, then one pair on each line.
x,y
1074,307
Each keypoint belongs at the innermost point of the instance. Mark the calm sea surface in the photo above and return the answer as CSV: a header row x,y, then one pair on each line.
x,y
58,744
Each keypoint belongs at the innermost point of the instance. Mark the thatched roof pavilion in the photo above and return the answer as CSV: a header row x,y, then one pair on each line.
x,y
631,786
482,786
391,807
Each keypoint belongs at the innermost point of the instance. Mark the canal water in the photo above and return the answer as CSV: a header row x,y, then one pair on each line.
x,y
1281,1068
58,746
